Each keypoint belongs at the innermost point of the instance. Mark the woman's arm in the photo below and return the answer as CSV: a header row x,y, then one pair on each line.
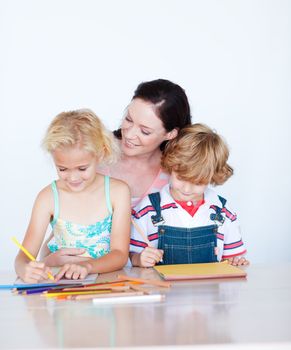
x,y
34,271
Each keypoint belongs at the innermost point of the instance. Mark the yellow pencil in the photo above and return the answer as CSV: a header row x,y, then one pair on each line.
x,y
55,294
26,252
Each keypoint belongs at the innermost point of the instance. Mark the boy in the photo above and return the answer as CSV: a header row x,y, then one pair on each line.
x,y
187,222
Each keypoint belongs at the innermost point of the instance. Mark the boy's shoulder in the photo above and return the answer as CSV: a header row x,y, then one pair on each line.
x,y
214,199
211,196
145,202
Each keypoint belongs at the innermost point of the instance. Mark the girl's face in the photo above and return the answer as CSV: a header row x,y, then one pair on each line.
x,y
142,130
184,190
76,167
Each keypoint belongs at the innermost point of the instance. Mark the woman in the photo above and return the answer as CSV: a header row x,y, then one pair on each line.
x,y
156,113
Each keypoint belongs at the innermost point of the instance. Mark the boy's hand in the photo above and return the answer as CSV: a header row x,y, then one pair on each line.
x,y
150,257
34,272
238,261
73,271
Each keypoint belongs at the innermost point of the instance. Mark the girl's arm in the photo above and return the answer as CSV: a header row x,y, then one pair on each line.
x,y
34,271
119,241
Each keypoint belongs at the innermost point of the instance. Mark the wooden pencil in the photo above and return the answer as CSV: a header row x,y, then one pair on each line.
x,y
111,295
51,295
146,281
139,289
106,286
141,232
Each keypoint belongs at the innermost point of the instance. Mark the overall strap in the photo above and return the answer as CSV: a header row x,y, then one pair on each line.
x,y
107,193
155,199
222,200
217,216
56,203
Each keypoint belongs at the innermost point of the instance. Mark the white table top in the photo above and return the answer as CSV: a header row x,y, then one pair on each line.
x,y
227,313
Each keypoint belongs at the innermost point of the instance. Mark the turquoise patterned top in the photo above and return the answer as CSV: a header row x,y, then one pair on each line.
x,y
94,238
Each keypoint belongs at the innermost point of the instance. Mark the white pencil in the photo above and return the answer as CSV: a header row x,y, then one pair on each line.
x,y
130,299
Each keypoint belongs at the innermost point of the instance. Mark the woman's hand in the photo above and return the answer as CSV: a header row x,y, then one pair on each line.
x,y
238,261
149,257
65,256
34,272
73,271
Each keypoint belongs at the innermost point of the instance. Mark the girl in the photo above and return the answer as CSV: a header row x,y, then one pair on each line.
x,y
187,222
157,111
85,209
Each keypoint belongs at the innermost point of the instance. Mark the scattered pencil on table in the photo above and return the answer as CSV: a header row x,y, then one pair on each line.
x,y
30,256
124,290
130,299
158,283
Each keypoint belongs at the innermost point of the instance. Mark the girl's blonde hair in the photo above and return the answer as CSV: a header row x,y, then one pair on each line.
x,y
84,127
198,155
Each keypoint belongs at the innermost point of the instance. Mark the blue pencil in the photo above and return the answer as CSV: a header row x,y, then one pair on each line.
x,y
44,289
27,286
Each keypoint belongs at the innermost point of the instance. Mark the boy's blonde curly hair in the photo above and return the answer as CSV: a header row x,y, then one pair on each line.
x,y
198,155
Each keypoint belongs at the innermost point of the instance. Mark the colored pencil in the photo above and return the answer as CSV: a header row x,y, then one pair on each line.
x,y
31,257
146,281
42,289
139,289
110,295
55,294
143,234
116,288
130,299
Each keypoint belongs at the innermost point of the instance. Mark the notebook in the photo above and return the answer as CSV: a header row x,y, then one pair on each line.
x,y
199,271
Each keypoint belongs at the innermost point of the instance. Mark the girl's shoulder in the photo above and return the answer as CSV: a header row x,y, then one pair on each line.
x,y
44,199
46,192
119,192
118,185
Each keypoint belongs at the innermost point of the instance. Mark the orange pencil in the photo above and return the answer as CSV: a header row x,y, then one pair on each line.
x,y
145,281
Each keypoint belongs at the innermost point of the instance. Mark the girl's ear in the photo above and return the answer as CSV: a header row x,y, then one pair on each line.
x,y
172,134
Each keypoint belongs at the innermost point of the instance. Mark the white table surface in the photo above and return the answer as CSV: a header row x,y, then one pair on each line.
x,y
251,313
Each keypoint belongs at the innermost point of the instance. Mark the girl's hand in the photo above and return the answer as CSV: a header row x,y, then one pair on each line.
x,y
238,261
73,271
65,256
34,272
150,256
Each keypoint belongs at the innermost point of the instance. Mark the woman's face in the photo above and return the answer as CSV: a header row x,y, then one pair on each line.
x,y
142,130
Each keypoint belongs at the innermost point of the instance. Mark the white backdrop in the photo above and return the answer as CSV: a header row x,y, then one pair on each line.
x,y
231,56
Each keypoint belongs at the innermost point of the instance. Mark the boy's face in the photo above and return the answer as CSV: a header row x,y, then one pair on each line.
x,y
182,190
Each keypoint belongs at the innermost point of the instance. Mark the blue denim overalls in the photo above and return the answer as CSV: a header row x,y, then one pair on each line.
x,y
183,245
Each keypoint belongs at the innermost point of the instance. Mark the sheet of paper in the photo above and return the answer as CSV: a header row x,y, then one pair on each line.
x,y
91,278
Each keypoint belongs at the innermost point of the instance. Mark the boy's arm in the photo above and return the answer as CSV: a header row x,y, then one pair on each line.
x,y
234,249
143,253
33,271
